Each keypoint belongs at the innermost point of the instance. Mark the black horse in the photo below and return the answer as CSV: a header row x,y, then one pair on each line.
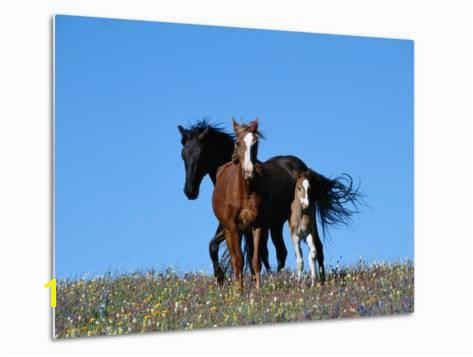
x,y
206,147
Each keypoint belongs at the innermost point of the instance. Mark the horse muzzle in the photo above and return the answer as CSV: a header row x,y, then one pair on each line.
x,y
191,192
248,175
305,204
248,172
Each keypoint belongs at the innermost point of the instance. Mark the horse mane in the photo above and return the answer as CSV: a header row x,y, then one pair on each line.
x,y
216,133
244,126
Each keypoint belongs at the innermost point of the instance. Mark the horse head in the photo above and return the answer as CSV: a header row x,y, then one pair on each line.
x,y
303,190
246,147
205,147
193,153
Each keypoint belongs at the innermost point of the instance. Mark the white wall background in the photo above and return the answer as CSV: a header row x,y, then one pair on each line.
x,y
442,322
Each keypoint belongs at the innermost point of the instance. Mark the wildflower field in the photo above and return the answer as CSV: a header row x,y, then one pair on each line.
x,y
166,301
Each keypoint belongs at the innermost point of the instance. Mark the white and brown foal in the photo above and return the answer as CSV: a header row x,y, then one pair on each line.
x,y
302,224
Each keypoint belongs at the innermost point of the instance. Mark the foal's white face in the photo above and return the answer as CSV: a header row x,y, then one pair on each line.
x,y
303,187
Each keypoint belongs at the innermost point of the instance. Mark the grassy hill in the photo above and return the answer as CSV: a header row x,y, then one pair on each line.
x,y
166,301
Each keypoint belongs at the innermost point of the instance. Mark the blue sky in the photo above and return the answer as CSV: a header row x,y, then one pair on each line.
x,y
341,103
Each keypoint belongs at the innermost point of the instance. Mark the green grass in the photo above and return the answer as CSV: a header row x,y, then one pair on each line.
x,y
142,302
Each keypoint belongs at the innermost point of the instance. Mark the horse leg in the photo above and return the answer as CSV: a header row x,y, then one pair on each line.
x,y
296,241
278,241
264,249
312,255
264,254
320,258
257,232
233,239
320,254
218,238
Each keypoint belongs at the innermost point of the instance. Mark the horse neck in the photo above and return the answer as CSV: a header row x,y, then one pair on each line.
x,y
296,208
219,155
247,186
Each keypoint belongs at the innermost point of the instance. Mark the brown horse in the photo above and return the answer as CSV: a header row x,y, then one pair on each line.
x,y
241,201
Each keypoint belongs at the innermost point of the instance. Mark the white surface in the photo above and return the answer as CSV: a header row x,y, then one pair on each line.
x,y
442,322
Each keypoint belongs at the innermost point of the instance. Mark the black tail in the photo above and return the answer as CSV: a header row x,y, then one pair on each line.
x,y
225,262
336,199
225,259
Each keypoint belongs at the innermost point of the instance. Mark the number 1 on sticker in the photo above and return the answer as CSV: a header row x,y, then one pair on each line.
x,y
52,284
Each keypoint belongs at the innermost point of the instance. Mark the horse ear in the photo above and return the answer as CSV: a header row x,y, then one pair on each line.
x,y
236,126
301,176
183,131
203,134
253,126
184,134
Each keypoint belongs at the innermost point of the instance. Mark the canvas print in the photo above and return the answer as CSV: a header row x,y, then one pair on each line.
x,y
208,177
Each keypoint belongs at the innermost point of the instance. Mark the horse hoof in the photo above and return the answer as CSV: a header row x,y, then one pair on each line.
x,y
220,280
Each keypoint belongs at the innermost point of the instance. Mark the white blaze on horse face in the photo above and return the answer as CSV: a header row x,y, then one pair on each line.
x,y
247,164
305,198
